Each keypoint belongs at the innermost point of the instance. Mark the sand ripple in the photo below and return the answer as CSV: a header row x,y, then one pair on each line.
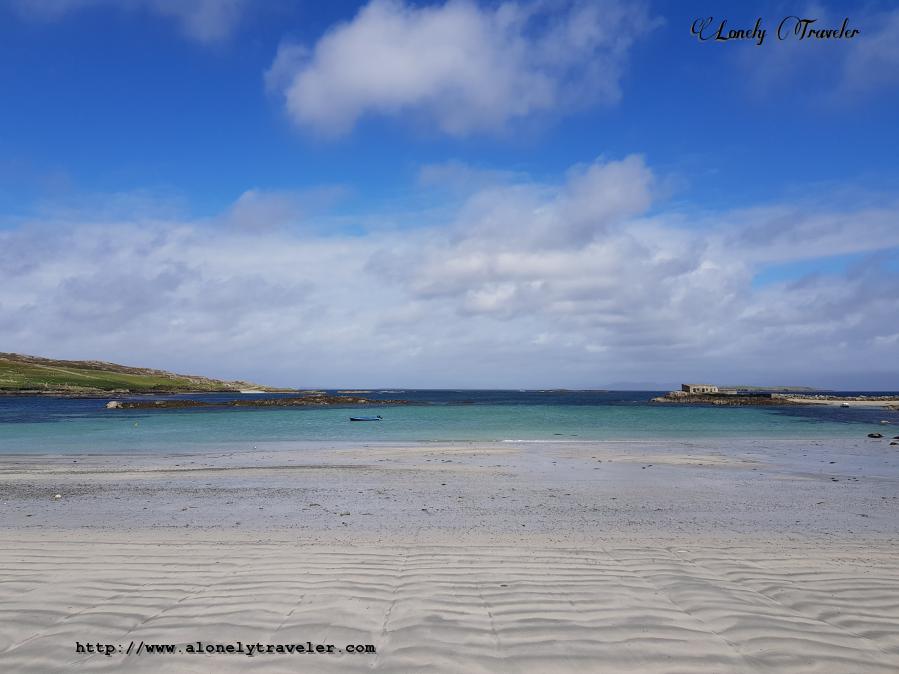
x,y
688,609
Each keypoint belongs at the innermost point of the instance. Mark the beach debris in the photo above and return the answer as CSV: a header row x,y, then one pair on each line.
x,y
875,435
57,496
346,514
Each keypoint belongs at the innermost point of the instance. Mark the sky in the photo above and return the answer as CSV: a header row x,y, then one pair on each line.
x,y
520,194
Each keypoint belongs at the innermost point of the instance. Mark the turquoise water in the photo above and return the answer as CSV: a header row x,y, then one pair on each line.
x,y
92,429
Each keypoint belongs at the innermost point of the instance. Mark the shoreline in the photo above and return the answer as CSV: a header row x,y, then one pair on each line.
x,y
889,403
857,432
564,487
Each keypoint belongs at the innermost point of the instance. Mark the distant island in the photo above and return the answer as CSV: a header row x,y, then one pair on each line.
x,y
22,374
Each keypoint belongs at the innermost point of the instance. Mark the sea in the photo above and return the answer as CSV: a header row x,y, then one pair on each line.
x,y
61,425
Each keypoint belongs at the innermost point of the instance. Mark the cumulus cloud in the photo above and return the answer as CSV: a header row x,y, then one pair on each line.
x,y
791,232
462,67
576,282
206,21
655,290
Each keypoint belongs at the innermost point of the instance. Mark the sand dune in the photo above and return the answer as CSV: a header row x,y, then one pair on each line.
x,y
428,608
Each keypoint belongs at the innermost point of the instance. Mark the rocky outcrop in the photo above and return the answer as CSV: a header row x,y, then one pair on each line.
x,y
725,400
839,398
312,400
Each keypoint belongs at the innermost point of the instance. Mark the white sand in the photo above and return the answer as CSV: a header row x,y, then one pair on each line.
x,y
592,557
688,608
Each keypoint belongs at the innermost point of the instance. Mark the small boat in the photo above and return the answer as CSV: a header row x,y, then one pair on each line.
x,y
377,418
845,405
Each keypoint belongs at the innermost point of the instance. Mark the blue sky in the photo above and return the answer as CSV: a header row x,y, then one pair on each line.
x,y
533,194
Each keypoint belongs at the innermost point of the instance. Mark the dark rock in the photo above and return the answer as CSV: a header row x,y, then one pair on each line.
x,y
310,400
724,400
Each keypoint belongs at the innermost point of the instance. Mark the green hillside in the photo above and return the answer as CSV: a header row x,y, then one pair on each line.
x,y
19,373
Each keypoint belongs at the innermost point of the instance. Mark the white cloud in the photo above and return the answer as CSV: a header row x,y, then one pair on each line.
x,y
800,231
526,284
206,21
258,209
461,67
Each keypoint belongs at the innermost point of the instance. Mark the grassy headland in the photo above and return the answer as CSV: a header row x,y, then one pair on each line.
x,y
28,374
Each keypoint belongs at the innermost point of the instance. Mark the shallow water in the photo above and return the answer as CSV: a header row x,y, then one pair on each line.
x,y
50,424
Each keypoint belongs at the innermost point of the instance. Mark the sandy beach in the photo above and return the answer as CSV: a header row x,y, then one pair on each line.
x,y
713,556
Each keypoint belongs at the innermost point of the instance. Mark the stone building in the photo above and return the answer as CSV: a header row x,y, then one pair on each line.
x,y
699,388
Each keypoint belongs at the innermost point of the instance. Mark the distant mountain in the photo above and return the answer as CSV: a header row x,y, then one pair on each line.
x,y
671,386
22,374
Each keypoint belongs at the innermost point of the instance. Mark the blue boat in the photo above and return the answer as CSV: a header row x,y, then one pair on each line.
x,y
377,418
